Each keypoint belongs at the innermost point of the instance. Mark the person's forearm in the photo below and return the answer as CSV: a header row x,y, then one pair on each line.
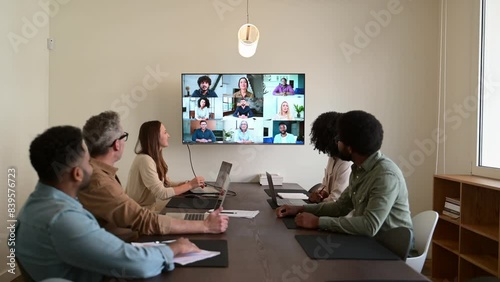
x,y
187,226
325,209
161,192
182,188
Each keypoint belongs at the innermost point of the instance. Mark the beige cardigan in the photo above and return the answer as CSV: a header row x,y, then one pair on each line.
x,y
336,178
143,184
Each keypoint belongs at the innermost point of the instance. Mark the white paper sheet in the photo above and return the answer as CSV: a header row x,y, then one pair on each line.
x,y
300,196
181,259
188,258
239,213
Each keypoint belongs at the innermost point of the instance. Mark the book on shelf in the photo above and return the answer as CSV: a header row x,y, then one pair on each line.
x,y
451,214
451,206
455,201
452,211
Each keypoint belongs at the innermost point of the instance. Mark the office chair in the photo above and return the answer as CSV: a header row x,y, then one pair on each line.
x,y
423,226
397,240
315,187
24,273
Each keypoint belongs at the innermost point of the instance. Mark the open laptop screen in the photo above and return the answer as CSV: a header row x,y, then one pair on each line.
x,y
225,167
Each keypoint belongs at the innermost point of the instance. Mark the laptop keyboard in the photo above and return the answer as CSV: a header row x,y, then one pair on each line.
x,y
194,216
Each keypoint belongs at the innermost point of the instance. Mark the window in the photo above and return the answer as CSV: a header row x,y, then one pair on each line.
x,y
488,149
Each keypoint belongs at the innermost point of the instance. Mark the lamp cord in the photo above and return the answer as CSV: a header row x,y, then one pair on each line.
x,y
248,18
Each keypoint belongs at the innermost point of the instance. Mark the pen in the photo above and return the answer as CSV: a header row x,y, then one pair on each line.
x,y
165,242
223,212
319,192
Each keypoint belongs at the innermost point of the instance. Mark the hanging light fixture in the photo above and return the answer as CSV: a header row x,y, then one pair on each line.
x,y
248,38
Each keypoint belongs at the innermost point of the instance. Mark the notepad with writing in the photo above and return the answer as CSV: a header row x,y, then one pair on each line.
x,y
343,246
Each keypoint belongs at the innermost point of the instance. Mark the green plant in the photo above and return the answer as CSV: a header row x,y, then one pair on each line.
x,y
228,134
298,109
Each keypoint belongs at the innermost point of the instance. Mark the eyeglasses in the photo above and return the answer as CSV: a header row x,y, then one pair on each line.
x,y
124,136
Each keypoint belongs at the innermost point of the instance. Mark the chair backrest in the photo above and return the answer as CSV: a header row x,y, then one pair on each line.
x,y
424,224
397,240
423,228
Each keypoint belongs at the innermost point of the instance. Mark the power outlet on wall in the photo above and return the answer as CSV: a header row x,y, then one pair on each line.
x,y
50,43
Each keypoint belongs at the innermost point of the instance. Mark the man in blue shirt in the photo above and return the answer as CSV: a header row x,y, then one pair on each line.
x,y
243,110
204,83
283,136
203,134
57,238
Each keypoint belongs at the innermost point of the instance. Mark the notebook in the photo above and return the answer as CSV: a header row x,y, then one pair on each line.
x,y
278,201
215,187
203,216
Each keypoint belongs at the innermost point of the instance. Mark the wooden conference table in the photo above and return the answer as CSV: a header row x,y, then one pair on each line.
x,y
263,249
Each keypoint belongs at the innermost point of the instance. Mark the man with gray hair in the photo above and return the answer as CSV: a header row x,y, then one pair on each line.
x,y
106,199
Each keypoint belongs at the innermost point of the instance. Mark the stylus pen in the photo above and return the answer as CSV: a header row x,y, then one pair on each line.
x,y
165,242
319,192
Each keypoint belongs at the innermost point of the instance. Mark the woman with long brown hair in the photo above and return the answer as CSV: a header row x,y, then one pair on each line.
x,y
147,178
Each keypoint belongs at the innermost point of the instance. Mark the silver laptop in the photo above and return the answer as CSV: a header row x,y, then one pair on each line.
x,y
215,187
202,216
279,201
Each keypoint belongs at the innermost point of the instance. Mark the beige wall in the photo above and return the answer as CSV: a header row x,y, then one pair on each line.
x,y
24,78
104,48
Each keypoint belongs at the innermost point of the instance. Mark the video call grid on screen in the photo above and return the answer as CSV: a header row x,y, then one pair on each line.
x,y
270,108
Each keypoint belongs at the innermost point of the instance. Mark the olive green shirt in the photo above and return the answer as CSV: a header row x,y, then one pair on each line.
x,y
376,196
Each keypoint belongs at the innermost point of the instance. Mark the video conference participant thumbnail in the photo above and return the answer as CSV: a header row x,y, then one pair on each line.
x,y
203,134
243,110
204,82
284,136
243,135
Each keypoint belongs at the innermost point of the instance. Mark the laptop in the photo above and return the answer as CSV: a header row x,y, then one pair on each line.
x,y
214,187
203,216
278,201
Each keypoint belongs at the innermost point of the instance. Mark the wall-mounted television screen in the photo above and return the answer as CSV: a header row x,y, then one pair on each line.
x,y
252,108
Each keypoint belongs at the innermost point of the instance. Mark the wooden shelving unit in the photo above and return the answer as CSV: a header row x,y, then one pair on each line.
x,y
466,247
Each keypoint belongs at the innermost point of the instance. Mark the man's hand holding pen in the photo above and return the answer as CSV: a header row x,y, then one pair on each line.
x,y
318,195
